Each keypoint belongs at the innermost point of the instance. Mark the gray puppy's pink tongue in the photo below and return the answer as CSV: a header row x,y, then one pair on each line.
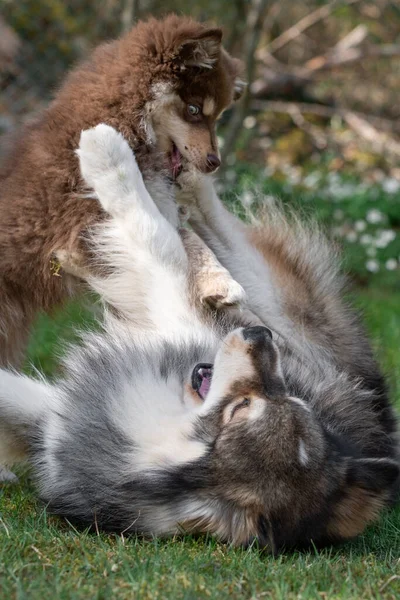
x,y
205,382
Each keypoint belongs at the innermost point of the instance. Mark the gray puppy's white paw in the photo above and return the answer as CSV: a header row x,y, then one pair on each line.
x,y
7,476
108,165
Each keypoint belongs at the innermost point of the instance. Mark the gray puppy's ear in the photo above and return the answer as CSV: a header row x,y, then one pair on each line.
x,y
202,51
374,474
369,483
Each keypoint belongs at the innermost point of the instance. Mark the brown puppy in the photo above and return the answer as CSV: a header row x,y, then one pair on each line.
x,y
162,86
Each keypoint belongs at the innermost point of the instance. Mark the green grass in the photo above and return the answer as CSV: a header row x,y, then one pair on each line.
x,y
44,557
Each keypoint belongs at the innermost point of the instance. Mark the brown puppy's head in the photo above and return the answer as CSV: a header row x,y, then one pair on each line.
x,y
191,81
274,472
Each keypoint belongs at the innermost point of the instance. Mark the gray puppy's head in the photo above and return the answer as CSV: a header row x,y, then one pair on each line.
x,y
279,474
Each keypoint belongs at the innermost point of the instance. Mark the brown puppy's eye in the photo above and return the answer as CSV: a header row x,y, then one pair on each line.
x,y
244,404
193,110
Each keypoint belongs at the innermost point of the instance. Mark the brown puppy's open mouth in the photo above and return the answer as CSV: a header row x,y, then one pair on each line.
x,y
175,159
201,379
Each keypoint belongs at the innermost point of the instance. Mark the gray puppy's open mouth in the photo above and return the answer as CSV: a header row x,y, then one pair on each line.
x,y
201,379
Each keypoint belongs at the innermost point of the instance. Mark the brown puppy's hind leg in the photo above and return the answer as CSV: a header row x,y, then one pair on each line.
x,y
14,333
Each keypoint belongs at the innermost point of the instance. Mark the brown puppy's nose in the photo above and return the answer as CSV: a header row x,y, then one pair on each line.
x,y
213,162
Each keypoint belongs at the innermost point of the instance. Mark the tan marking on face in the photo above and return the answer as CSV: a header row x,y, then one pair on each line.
x,y
208,106
234,342
191,397
167,125
164,124
232,363
253,411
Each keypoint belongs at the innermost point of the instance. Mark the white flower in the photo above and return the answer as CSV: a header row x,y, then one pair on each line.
x,y
338,231
384,238
269,171
220,141
371,251
338,189
390,185
230,175
351,236
372,265
391,264
269,199
247,198
360,225
374,216
312,179
249,122
333,177
294,176
366,239
346,190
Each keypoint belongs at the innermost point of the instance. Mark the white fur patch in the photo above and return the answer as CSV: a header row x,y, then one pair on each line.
x,y
303,455
257,408
151,413
208,106
300,403
232,361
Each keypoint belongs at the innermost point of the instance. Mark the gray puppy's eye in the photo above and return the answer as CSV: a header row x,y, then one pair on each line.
x,y
193,110
245,402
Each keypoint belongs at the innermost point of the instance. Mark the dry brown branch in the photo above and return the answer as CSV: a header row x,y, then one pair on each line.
x,y
320,110
341,51
128,14
10,44
279,80
305,23
237,25
254,25
360,123
381,142
319,138
347,51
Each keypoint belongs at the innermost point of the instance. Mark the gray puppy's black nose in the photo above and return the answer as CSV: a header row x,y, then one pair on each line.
x,y
213,162
257,333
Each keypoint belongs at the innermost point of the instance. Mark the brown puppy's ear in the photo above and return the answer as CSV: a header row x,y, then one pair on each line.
x,y
238,88
202,51
239,84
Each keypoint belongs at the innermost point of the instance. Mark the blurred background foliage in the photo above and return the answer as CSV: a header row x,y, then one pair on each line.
x,y
319,126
